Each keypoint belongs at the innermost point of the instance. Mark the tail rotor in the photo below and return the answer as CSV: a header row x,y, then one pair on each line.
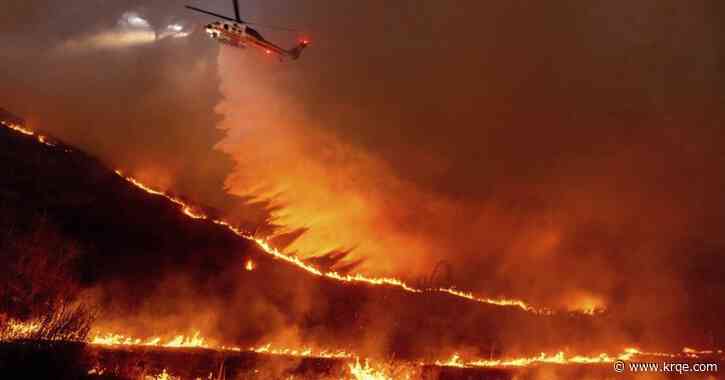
x,y
296,51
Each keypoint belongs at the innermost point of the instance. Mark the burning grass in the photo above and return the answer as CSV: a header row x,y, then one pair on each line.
x,y
39,291
194,213
123,242
41,307
157,362
66,323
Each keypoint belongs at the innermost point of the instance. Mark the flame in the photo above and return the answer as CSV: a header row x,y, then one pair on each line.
x,y
185,208
303,352
179,341
197,341
368,369
162,376
28,132
500,302
194,213
183,341
364,369
695,353
358,370
584,302
18,330
558,358
366,372
18,128
191,212
13,329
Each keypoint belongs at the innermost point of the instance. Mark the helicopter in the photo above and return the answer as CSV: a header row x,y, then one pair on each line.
x,y
237,33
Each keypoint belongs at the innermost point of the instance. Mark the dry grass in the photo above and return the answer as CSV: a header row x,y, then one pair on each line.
x,y
39,291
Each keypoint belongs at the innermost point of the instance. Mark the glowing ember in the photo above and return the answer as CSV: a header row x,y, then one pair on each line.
x,y
249,265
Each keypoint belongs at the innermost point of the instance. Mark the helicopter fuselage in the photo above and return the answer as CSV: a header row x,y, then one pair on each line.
x,y
241,35
236,32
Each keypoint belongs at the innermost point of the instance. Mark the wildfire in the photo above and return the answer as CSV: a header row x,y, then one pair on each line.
x,y
25,131
162,376
304,352
358,371
694,353
17,330
363,370
500,302
559,358
197,341
359,368
366,372
191,212
179,341
194,213
185,208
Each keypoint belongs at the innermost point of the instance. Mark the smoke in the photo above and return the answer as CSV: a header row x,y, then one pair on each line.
x,y
562,154
566,154
130,82
131,30
311,178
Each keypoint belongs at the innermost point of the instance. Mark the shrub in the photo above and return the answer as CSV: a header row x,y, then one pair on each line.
x,y
39,289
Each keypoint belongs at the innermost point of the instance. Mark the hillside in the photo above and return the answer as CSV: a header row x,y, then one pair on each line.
x,y
154,271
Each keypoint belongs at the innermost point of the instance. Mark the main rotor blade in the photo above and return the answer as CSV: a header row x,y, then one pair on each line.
x,y
272,26
212,14
236,10
240,21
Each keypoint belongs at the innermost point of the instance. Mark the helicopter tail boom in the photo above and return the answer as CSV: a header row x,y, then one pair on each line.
x,y
296,51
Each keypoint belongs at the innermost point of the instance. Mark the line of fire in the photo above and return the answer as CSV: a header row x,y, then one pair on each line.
x,y
431,191
110,351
